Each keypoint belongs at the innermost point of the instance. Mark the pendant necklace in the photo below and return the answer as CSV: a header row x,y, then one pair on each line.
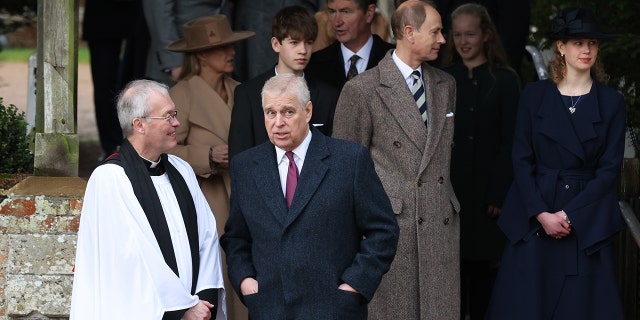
x,y
572,109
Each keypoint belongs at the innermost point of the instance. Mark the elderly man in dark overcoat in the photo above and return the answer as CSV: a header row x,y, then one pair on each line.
x,y
311,231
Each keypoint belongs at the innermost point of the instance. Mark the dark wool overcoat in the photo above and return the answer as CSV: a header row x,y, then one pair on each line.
x,y
377,109
569,162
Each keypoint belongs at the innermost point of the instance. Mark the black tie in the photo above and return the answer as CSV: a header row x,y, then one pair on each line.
x,y
353,71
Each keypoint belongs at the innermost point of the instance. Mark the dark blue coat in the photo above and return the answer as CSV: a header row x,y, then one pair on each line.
x,y
340,228
567,162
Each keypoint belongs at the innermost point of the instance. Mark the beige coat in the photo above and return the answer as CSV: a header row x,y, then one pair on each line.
x,y
204,122
377,110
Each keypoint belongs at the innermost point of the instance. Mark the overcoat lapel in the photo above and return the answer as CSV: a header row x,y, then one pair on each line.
x,y
554,121
267,179
313,171
215,121
585,117
397,97
436,111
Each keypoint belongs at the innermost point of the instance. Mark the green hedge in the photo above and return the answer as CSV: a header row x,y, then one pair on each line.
x,y
14,142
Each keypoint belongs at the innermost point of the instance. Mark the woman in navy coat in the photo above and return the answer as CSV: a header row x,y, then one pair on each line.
x,y
562,211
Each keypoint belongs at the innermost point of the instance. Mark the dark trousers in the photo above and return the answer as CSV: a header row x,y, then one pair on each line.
x,y
114,62
477,278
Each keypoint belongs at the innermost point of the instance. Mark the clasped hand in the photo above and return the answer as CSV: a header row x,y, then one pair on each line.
x,y
554,225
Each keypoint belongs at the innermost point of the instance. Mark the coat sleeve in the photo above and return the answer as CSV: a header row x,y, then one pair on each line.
x,y
524,200
352,120
236,240
377,223
163,30
241,131
210,270
196,155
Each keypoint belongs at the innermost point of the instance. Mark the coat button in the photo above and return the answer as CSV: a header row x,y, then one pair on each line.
x,y
397,144
566,186
420,220
441,180
446,221
419,182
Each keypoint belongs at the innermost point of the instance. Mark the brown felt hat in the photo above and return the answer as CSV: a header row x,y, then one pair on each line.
x,y
206,33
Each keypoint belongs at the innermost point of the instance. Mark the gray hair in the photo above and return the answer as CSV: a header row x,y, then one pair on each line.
x,y
132,102
287,83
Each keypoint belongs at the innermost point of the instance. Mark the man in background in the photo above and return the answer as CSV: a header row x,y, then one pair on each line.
x,y
355,49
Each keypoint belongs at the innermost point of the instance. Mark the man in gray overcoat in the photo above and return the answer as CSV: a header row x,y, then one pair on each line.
x,y
406,121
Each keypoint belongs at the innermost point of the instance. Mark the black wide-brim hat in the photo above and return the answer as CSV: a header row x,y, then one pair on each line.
x,y
206,33
576,23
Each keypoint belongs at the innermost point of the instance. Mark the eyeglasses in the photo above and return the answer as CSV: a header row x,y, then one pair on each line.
x,y
167,118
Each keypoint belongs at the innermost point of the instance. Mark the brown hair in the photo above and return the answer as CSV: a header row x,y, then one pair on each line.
x,y
295,22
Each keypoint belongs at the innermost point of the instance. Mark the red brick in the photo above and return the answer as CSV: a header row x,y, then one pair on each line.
x,y
18,208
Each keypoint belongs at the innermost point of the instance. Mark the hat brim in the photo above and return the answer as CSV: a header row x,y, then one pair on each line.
x,y
182,46
585,35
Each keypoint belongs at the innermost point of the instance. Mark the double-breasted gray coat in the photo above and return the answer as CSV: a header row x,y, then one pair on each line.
x,y
377,109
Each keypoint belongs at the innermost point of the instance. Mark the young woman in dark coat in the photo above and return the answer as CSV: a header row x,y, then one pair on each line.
x,y
487,100
562,212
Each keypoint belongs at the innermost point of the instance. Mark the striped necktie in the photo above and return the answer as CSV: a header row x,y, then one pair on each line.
x,y
419,95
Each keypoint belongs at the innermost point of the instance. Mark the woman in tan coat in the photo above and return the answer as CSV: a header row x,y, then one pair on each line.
x,y
204,98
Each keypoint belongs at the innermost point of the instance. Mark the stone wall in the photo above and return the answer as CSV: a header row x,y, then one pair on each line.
x,y
39,221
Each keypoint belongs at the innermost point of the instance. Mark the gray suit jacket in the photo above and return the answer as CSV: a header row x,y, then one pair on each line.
x,y
377,110
165,19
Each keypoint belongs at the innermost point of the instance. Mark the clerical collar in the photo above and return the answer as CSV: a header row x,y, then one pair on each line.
x,y
155,168
151,164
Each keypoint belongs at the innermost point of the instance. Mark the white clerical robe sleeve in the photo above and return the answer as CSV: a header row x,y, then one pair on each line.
x,y
210,274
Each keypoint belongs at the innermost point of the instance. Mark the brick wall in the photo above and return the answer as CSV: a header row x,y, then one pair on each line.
x,y
39,221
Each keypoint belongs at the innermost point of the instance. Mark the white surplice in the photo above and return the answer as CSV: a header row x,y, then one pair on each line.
x,y
120,272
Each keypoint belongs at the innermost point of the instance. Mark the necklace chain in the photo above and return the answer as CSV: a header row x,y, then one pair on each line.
x,y
572,109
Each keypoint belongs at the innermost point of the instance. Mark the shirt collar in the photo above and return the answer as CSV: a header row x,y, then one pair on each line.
x,y
300,151
405,69
275,70
363,53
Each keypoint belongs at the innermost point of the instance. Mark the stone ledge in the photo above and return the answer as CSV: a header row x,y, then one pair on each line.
x,y
66,187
